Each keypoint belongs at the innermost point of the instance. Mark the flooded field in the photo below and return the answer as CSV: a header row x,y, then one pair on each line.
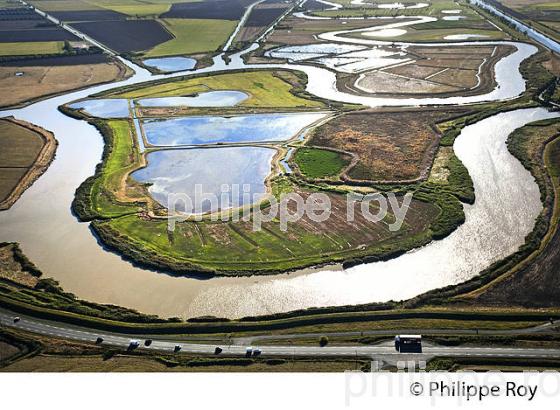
x,y
234,129
207,99
181,171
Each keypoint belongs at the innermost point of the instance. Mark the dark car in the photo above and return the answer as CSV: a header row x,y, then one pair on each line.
x,y
177,348
17,319
147,342
99,340
217,350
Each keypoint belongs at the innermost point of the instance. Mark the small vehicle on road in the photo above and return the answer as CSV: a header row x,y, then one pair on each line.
x,y
177,348
217,350
134,344
248,351
17,319
99,340
408,343
147,342
256,352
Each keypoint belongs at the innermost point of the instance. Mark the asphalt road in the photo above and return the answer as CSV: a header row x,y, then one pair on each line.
x,y
386,350
545,327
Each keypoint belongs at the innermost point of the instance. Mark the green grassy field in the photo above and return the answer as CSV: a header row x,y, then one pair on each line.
x,y
319,163
193,36
123,157
31,48
265,88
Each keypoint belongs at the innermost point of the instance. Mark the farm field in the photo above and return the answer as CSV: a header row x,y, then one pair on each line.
x,y
213,9
26,152
105,9
126,36
160,28
39,81
31,48
261,17
193,36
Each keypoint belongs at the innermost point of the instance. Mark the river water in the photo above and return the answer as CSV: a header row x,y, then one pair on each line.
x,y
504,212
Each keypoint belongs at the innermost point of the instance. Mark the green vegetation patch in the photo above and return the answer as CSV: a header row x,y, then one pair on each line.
x,y
193,36
96,196
320,163
31,48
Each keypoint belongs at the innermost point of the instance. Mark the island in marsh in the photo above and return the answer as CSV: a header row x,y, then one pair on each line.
x,y
127,210
26,152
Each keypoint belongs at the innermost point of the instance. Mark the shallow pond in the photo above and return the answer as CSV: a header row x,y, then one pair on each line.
x,y
345,58
199,172
308,51
171,64
207,99
215,129
103,108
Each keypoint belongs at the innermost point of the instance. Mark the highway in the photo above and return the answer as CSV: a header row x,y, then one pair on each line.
x,y
162,344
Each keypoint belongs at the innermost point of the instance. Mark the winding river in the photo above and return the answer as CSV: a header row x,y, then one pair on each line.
x,y
503,214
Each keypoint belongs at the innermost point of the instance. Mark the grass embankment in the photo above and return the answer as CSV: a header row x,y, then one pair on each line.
x,y
31,48
96,197
319,163
266,88
193,36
